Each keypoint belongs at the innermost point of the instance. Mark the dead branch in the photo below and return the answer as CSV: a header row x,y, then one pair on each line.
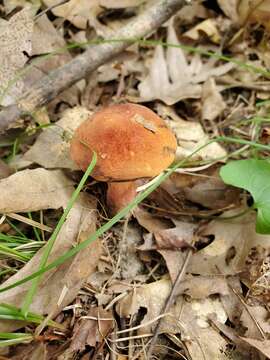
x,y
49,86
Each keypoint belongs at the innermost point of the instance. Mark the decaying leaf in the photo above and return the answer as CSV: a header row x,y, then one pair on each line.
x,y
262,345
233,240
59,286
207,190
31,190
208,27
212,102
54,141
77,12
190,136
230,7
92,329
171,78
46,38
15,41
189,318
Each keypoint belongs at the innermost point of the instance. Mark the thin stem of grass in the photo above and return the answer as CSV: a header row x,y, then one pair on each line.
x,y
31,292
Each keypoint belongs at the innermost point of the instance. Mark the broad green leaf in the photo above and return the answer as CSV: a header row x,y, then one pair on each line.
x,y
254,176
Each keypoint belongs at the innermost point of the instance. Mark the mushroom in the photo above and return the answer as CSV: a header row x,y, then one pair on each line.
x,y
131,143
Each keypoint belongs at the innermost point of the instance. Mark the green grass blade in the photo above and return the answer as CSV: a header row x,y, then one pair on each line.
x,y
31,292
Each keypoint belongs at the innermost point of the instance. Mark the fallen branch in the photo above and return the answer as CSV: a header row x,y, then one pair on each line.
x,y
49,86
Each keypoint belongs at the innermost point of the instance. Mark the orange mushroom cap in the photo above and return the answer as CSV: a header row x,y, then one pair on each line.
x,y
130,140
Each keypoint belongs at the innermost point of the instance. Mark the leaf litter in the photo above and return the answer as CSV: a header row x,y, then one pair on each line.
x,y
111,296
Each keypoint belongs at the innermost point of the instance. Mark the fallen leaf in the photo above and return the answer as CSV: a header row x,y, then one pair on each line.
x,y
92,330
15,41
207,190
32,190
190,136
129,263
112,4
212,102
175,238
54,141
208,26
200,287
254,11
79,13
187,318
233,240
45,37
5,170
262,345
261,316
171,78
230,8
64,281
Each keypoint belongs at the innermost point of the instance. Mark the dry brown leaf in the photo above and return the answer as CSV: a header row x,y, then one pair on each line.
x,y
200,287
5,170
229,7
46,38
92,330
212,102
190,136
233,240
64,281
187,318
175,238
262,345
79,13
255,11
149,221
182,235
10,5
261,316
32,190
15,41
54,141
208,27
171,78
129,263
112,4
207,190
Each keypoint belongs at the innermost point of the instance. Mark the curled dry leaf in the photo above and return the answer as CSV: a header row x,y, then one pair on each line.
x,y
15,41
32,190
208,27
92,329
55,141
64,281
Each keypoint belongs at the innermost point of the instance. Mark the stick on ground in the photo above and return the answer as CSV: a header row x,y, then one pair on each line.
x,y
49,86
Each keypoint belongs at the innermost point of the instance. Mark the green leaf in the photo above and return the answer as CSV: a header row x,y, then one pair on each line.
x,y
254,176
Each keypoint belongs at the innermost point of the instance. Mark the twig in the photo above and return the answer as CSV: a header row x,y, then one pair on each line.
x,y
169,301
49,86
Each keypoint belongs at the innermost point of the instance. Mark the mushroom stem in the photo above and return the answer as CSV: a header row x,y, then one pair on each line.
x,y
120,194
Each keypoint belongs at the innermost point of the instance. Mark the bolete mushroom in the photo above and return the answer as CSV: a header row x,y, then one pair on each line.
x,y
131,143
